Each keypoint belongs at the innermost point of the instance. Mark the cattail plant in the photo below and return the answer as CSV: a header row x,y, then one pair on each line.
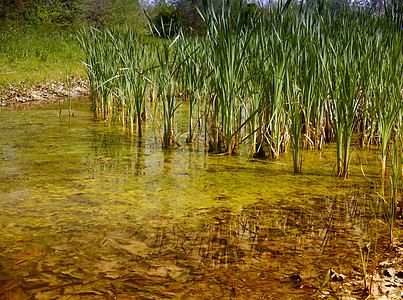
x,y
300,77
168,65
227,45
295,114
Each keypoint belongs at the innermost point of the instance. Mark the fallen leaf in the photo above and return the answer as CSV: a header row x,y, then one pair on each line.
x,y
176,287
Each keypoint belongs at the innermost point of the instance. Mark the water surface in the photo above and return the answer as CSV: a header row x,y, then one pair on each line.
x,y
88,213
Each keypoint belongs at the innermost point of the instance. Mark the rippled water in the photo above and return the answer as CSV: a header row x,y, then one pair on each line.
x,y
87,213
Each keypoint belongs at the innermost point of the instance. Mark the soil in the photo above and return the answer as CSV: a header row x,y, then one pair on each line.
x,y
23,95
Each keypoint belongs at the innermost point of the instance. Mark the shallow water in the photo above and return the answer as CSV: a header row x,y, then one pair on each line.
x,y
86,212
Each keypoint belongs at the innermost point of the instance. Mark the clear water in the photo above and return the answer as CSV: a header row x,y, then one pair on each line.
x,y
88,213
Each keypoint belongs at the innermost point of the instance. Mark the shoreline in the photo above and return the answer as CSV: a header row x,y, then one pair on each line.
x,y
22,95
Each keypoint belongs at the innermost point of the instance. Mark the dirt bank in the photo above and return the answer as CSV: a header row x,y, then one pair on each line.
x,y
22,95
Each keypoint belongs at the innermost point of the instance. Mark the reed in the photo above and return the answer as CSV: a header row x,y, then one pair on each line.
x,y
133,52
387,109
391,199
168,64
291,76
191,78
274,93
346,89
68,87
227,45
295,111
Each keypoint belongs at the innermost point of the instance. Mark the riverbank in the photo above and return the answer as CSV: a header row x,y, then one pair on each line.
x,y
23,95
35,64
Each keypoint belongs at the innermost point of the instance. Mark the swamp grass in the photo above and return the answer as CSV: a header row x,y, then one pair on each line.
x,y
288,78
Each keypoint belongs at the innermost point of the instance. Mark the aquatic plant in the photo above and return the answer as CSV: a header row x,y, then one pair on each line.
x,y
191,78
287,76
132,80
227,45
295,111
68,87
168,64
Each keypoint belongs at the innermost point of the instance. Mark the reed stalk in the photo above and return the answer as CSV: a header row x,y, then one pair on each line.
x,y
295,114
68,88
168,65
227,45
301,76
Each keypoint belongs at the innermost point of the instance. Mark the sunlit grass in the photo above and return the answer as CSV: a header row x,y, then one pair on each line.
x,y
38,55
291,78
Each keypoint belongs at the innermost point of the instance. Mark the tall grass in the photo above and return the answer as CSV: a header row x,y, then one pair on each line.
x,y
168,63
287,80
291,78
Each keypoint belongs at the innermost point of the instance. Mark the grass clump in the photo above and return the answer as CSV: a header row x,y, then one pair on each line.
x,y
288,77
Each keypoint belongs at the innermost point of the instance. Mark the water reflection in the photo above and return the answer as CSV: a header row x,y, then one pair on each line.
x,y
88,212
262,229
267,238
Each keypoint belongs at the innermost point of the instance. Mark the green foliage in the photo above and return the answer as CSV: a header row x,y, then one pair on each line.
x,y
249,12
35,13
192,23
165,21
291,77
72,13
112,13
35,55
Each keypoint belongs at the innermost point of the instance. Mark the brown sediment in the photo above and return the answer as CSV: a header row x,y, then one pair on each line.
x,y
23,95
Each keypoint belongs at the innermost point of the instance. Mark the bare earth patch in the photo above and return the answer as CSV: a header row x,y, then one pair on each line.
x,y
22,95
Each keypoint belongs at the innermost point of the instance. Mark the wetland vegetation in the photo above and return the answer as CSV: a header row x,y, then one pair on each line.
x,y
299,77
260,158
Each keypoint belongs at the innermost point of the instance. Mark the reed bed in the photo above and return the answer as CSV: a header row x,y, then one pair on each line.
x,y
289,79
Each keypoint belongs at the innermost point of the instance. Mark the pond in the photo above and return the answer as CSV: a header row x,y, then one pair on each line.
x,y
89,213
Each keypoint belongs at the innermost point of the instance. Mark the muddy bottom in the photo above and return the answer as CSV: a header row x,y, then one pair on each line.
x,y
88,213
